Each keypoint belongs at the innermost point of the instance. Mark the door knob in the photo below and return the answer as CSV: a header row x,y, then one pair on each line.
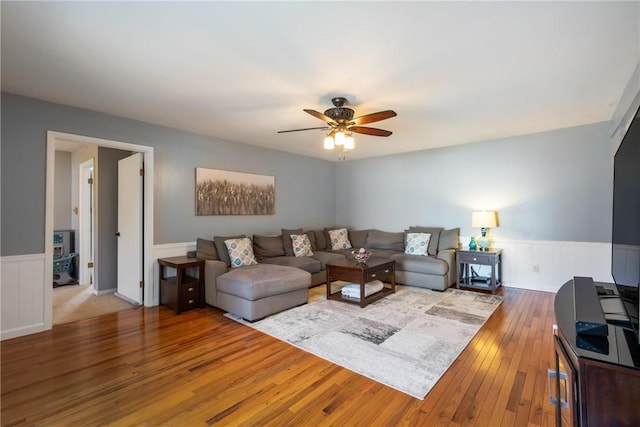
x,y
117,234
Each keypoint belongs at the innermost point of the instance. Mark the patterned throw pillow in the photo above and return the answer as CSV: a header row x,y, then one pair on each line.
x,y
301,245
339,239
417,244
240,252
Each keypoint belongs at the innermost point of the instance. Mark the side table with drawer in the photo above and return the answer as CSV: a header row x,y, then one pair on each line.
x,y
181,292
465,258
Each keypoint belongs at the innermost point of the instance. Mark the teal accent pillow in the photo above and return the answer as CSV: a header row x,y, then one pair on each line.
x,y
417,244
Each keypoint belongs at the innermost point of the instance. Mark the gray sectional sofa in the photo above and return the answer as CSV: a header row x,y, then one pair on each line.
x,y
436,271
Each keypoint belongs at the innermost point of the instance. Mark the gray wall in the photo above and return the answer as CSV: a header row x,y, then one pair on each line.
x,y
549,186
305,187
62,200
554,185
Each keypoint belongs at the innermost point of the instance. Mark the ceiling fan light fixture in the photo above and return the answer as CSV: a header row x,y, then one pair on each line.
x,y
328,142
349,143
340,123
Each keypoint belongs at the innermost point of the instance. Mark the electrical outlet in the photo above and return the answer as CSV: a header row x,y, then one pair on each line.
x,y
536,268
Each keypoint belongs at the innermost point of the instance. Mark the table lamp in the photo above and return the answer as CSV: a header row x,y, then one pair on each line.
x,y
483,220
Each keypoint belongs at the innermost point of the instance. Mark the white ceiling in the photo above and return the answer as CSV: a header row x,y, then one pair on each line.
x,y
455,72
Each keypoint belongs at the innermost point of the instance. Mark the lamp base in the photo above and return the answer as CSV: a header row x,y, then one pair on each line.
x,y
484,243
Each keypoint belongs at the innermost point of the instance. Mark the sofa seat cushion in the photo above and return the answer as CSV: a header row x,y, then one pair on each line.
x,y
328,257
255,282
305,263
421,264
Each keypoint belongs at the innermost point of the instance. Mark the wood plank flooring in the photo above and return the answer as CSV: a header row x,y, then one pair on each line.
x,y
147,366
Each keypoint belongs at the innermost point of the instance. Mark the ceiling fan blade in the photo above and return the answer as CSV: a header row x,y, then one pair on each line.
x,y
370,131
298,130
373,117
321,116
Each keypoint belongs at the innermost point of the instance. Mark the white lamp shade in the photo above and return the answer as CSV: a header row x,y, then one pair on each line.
x,y
349,143
339,138
484,219
328,143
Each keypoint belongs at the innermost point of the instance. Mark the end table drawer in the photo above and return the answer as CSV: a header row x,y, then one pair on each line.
x,y
476,258
189,301
190,289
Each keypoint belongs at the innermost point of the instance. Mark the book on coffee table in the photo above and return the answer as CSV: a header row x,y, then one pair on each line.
x,y
352,290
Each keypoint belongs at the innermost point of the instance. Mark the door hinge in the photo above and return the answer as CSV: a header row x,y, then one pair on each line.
x,y
90,181
142,283
141,172
89,265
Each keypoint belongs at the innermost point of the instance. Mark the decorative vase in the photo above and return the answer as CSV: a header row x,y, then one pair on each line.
x,y
472,244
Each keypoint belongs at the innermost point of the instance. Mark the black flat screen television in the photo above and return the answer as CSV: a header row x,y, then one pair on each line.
x,y
625,238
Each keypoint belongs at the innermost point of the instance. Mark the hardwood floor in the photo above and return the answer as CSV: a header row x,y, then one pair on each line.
x,y
147,366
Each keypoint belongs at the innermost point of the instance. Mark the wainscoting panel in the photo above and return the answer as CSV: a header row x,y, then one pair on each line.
x,y
547,265
23,298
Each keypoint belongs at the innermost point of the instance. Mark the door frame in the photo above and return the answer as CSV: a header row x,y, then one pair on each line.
x,y
150,293
86,223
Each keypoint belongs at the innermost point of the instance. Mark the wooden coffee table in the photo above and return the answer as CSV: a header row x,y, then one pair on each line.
x,y
350,271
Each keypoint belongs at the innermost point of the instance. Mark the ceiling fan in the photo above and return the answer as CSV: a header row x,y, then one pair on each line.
x,y
340,120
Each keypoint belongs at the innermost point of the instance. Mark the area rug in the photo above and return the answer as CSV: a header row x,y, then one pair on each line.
x,y
406,340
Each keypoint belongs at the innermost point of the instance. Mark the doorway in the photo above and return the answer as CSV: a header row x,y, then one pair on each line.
x,y
56,138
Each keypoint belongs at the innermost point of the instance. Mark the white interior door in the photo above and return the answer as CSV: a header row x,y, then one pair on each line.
x,y
130,227
86,224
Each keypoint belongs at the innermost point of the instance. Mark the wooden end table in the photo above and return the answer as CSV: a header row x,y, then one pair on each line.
x,y
465,258
181,292
351,271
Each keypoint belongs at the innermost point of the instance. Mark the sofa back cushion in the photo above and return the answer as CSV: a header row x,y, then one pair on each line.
x,y
377,239
321,240
206,249
286,240
358,238
267,246
433,241
221,248
449,239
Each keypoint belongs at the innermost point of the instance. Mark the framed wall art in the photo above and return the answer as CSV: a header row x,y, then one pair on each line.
x,y
220,192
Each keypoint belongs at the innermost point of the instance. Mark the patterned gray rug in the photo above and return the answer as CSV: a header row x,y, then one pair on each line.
x,y
406,340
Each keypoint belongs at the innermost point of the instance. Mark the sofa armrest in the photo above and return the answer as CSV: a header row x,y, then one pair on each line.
x,y
212,269
449,255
